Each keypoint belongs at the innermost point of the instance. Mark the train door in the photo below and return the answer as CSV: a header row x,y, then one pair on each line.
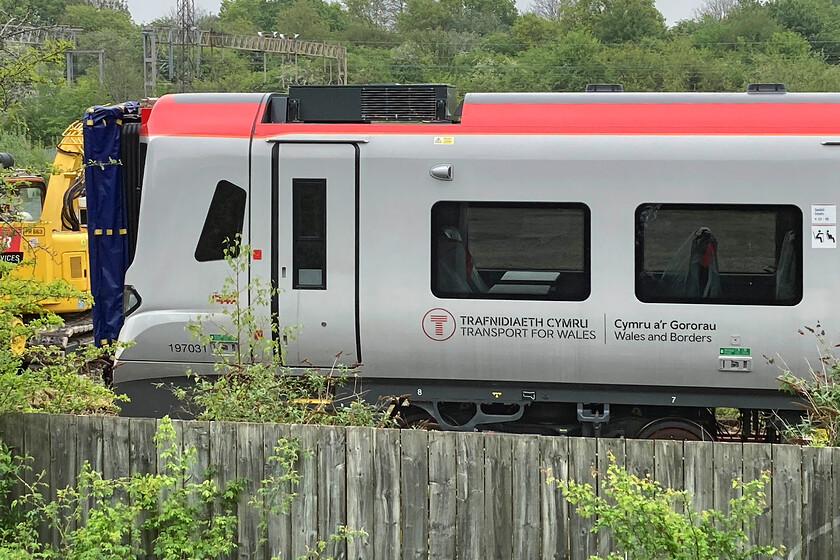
x,y
316,234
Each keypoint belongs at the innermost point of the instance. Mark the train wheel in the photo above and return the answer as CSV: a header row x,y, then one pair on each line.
x,y
417,418
675,429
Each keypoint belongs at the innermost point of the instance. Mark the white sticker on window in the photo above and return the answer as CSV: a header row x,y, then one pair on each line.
x,y
823,214
824,237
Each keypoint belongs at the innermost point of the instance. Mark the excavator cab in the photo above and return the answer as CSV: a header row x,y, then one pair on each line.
x,y
29,191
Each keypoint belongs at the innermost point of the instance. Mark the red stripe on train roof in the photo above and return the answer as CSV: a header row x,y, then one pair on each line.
x,y
227,120
661,118
237,120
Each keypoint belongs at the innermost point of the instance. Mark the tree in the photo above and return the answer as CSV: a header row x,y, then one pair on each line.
x,y
531,30
304,18
818,21
378,13
748,28
32,12
260,15
567,64
21,65
114,33
56,105
466,16
629,20
548,9
715,9
615,21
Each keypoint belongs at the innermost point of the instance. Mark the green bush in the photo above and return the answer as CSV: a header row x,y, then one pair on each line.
x,y
187,519
649,522
820,393
27,154
253,383
102,519
38,378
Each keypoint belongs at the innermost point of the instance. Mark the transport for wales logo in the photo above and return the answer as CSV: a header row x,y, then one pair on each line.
x,y
439,324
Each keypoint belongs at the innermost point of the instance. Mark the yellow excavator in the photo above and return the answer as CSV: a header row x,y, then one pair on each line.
x,y
48,236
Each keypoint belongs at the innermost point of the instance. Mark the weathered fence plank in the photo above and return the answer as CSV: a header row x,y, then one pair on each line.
x,y
757,460
90,441
442,516
526,497
115,449
142,455
37,444
609,451
223,452
249,466
668,464
787,498
698,476
727,458
498,491
142,459
89,447
63,466
818,511
163,446
385,532
639,457
554,518
469,496
583,455
305,506
360,490
414,516
11,433
331,446
278,523
115,455
197,435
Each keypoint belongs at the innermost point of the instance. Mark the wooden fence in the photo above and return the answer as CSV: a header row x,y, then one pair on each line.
x,y
445,495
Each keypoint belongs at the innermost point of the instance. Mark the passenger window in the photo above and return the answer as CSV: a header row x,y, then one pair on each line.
x,y
724,253
223,224
507,250
309,234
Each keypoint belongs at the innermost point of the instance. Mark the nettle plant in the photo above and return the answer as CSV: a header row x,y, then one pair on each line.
x,y
171,514
38,378
820,394
253,382
649,522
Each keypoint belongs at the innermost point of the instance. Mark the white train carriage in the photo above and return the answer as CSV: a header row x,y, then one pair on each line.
x,y
615,263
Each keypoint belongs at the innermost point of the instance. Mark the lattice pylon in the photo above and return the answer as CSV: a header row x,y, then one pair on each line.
x,y
186,60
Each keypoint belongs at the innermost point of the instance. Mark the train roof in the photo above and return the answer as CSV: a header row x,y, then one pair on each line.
x,y
267,115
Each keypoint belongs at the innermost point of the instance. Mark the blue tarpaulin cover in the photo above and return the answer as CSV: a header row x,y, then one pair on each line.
x,y
106,215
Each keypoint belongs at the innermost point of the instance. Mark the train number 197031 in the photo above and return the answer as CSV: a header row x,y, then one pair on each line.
x,y
188,348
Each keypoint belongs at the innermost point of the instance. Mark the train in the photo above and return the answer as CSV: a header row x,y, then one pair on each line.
x,y
602,263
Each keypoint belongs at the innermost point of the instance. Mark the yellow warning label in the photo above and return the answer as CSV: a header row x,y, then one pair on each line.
x,y
444,139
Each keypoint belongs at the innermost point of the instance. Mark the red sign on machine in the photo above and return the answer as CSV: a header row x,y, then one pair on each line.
x,y
10,247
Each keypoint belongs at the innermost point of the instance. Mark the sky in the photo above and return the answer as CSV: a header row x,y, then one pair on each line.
x,y
143,11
